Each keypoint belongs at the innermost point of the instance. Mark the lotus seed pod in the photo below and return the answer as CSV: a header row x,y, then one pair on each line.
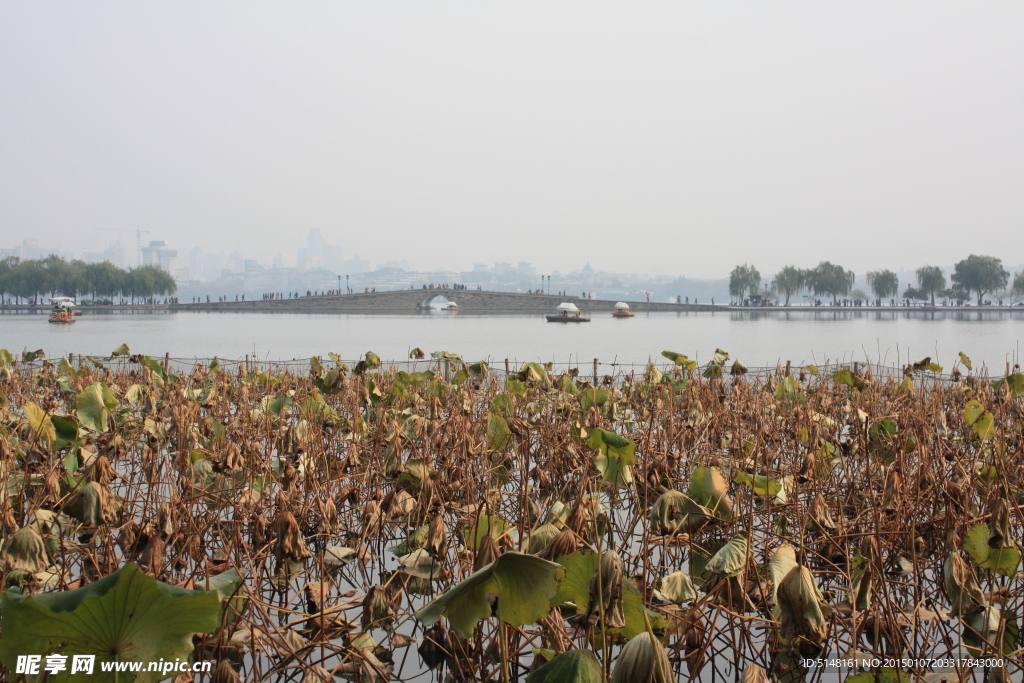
x,y
565,543
642,660
25,550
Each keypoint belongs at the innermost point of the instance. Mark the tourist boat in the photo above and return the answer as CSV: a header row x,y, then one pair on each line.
x,y
567,313
622,310
63,310
450,306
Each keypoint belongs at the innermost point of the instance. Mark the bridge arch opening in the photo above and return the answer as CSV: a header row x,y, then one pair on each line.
x,y
437,301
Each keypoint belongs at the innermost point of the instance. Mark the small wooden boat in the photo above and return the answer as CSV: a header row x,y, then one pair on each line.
x,y
63,311
622,310
567,313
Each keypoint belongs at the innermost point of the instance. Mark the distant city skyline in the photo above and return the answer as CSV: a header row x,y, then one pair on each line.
x,y
663,138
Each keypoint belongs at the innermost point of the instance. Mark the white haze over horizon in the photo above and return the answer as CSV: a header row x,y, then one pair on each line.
x,y
675,138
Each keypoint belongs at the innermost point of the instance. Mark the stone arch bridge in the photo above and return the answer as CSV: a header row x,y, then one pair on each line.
x,y
418,301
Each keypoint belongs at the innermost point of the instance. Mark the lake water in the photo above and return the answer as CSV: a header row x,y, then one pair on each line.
x,y
756,338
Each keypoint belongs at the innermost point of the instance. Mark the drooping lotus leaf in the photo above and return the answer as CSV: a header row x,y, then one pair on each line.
x,y
94,406
708,488
616,456
1003,560
801,606
523,585
678,588
731,558
29,356
643,660
965,360
126,616
24,550
6,359
580,567
783,561
961,586
92,505
121,350
574,666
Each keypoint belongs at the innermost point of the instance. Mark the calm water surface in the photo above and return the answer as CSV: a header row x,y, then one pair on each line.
x,y
756,338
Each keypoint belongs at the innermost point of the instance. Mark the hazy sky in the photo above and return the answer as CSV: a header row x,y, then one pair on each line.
x,y
676,137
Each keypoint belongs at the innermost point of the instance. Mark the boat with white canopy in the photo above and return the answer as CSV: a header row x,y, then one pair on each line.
x,y
622,310
567,313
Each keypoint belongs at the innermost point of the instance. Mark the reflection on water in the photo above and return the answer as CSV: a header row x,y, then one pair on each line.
x,y
758,338
956,314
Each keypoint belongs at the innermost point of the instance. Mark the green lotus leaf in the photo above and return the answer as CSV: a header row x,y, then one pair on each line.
x,y
485,524
126,616
574,588
40,422
6,359
593,397
790,390
66,430
574,666
760,484
29,356
851,380
680,359
121,350
1001,560
965,360
972,411
499,436
708,488
523,585
616,456
95,405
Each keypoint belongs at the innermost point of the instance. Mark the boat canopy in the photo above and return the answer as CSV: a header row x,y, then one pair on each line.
x,y
62,301
622,306
567,307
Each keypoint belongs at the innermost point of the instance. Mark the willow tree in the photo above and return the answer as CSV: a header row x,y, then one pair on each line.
x,y
930,280
744,279
788,282
1018,284
884,283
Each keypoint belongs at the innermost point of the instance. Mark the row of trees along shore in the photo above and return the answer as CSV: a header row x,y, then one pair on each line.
x,y
978,275
53,276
